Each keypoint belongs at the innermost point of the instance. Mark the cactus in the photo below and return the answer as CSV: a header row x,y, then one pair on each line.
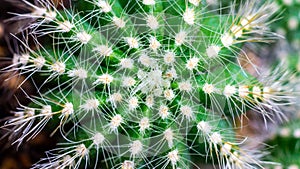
x,y
146,83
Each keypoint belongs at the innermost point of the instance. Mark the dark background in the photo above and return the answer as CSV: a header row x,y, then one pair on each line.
x,y
12,157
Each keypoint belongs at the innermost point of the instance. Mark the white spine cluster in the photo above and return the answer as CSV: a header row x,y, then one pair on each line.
x,y
185,86
126,63
83,37
243,91
90,104
169,57
163,112
213,51
65,26
180,38
195,2
189,16
105,6
187,112
104,79
128,82
133,103
68,109
192,63
81,150
152,22
169,137
144,124
229,90
24,58
119,22
169,94
58,67
115,122
116,97
173,157
127,165
98,139
39,62
204,127
227,40
149,2
80,73
154,43
136,147
103,50
132,42
47,110
208,88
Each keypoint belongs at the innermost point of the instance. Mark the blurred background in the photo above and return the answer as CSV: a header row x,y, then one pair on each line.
x,y
286,52
10,158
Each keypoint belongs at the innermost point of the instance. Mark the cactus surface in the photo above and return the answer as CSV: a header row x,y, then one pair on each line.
x,y
147,83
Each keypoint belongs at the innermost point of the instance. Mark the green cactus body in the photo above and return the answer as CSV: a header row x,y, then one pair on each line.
x,y
146,83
